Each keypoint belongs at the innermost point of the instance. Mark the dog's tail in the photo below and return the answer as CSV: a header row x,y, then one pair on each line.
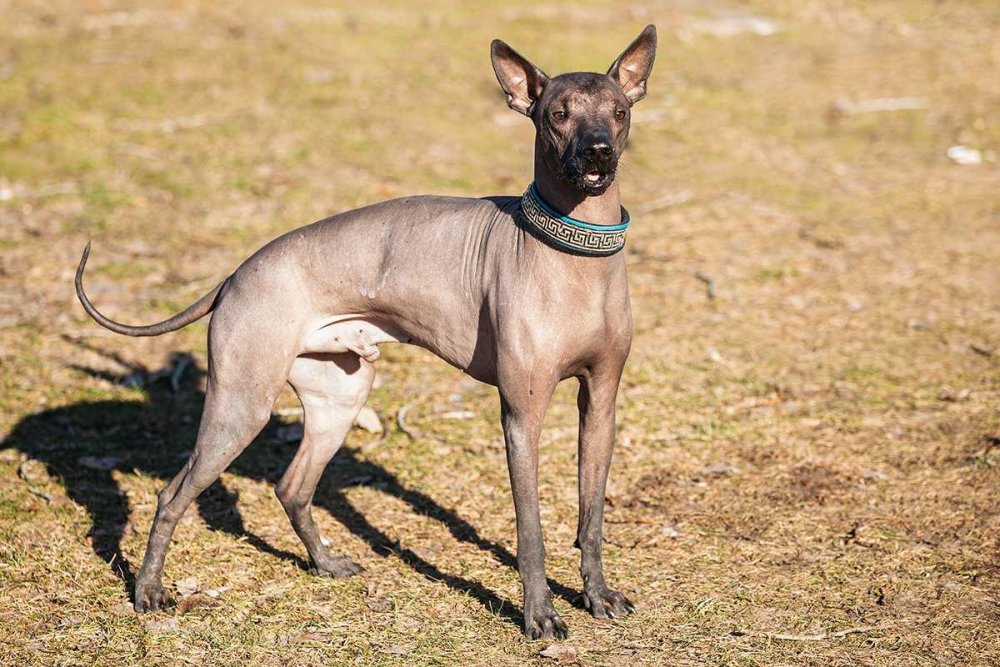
x,y
195,311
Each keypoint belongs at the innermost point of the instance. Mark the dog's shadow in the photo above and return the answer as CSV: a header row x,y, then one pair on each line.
x,y
84,444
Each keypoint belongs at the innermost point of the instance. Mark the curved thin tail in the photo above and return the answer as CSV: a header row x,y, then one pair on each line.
x,y
195,311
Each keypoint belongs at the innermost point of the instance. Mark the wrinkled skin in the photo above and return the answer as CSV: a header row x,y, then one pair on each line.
x,y
458,277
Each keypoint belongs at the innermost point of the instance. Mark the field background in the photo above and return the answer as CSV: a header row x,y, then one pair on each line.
x,y
809,440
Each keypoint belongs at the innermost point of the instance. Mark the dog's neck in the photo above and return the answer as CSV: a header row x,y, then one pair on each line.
x,y
603,209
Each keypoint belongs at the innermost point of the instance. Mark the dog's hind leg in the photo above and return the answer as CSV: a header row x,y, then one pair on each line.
x,y
233,415
332,389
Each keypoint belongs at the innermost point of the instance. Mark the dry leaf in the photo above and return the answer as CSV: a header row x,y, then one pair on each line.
x,y
188,586
559,652
186,604
215,592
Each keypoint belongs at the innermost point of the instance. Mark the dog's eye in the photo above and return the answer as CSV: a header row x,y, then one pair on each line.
x,y
620,114
559,115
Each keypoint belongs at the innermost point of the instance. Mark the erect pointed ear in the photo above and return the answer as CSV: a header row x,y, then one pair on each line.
x,y
522,81
635,63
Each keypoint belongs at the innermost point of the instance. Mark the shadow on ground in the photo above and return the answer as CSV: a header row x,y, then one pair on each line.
x,y
84,444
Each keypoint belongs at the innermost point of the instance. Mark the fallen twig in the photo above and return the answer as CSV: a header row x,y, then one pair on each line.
x,y
981,350
709,283
401,421
818,241
880,104
803,638
413,433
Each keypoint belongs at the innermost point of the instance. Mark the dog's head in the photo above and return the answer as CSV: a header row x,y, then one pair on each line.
x,y
582,118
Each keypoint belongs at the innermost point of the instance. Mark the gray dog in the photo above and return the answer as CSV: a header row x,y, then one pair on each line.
x,y
518,292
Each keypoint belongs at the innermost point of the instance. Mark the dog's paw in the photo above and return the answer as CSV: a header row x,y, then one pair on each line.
x,y
607,604
149,596
544,623
338,567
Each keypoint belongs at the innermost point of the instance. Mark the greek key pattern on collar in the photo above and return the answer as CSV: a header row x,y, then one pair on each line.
x,y
570,235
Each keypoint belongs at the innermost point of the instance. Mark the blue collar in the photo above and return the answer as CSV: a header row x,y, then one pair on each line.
x,y
564,233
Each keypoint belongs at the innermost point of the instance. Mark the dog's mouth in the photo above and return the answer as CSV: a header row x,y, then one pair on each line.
x,y
592,180
594,177
590,177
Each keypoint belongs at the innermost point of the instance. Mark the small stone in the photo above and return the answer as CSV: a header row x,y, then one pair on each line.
x,y
458,414
953,395
368,420
670,532
964,155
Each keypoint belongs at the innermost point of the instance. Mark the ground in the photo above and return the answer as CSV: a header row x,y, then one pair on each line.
x,y
807,468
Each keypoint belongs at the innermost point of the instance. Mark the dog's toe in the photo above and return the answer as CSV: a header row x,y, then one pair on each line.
x,y
149,597
608,604
544,624
338,567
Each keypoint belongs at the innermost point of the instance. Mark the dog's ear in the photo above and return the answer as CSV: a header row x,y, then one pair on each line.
x,y
635,63
522,81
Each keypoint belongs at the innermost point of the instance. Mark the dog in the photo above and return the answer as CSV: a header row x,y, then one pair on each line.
x,y
518,292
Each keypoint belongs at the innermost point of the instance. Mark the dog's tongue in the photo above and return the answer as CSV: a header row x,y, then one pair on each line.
x,y
592,176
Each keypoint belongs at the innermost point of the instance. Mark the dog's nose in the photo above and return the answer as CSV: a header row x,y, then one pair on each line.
x,y
598,151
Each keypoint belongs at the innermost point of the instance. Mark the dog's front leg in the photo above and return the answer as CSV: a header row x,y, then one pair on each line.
x,y
596,401
522,410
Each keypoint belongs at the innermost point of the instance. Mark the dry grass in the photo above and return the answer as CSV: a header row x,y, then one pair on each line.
x,y
814,450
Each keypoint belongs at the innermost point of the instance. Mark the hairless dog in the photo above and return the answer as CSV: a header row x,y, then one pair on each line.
x,y
518,292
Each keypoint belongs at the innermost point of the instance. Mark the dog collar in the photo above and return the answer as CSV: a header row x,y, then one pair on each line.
x,y
573,236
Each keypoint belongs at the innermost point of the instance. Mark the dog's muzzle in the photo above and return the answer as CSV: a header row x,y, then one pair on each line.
x,y
592,169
